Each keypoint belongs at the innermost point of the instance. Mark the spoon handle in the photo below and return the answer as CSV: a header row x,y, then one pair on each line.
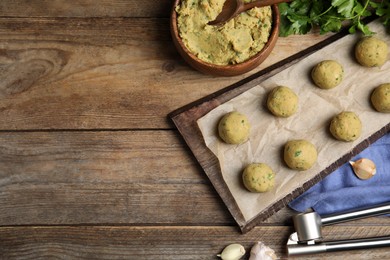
x,y
260,3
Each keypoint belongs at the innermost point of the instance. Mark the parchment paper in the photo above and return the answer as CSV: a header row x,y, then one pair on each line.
x,y
311,122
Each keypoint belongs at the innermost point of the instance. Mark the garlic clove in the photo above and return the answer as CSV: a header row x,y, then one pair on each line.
x,y
232,252
364,168
262,252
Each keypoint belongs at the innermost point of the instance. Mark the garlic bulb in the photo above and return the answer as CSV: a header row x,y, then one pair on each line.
x,y
262,252
232,252
364,168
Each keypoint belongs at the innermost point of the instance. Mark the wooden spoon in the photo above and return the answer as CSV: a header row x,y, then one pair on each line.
x,y
231,8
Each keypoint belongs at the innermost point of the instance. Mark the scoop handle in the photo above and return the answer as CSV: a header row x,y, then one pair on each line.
x,y
339,245
361,243
377,210
260,3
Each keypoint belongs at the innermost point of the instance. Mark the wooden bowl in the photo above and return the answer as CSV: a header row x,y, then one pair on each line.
x,y
225,70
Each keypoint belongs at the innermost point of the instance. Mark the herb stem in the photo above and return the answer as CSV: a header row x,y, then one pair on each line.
x,y
323,13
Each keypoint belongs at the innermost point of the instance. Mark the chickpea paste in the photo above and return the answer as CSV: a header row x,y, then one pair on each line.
x,y
232,43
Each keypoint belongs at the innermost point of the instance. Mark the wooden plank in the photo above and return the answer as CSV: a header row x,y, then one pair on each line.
x,y
175,242
99,73
114,203
103,177
85,8
91,31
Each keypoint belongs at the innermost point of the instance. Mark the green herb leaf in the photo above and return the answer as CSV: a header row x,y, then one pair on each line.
x,y
331,24
382,9
344,7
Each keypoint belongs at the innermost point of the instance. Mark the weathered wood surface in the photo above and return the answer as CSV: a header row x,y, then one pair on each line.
x,y
90,165
133,177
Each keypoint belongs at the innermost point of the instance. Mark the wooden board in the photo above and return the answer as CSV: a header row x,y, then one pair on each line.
x,y
186,118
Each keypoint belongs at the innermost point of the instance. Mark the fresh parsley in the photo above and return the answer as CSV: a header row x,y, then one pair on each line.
x,y
300,16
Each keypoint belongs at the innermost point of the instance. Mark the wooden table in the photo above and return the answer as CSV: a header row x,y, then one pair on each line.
x,y
90,165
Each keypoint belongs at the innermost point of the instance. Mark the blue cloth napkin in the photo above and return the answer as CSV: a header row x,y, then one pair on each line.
x,y
342,190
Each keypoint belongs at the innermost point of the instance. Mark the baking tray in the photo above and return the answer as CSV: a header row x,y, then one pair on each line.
x,y
185,119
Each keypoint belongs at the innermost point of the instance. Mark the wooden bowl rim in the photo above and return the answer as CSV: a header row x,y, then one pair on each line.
x,y
231,69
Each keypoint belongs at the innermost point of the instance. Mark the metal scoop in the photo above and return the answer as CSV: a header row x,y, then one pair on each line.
x,y
308,237
232,8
